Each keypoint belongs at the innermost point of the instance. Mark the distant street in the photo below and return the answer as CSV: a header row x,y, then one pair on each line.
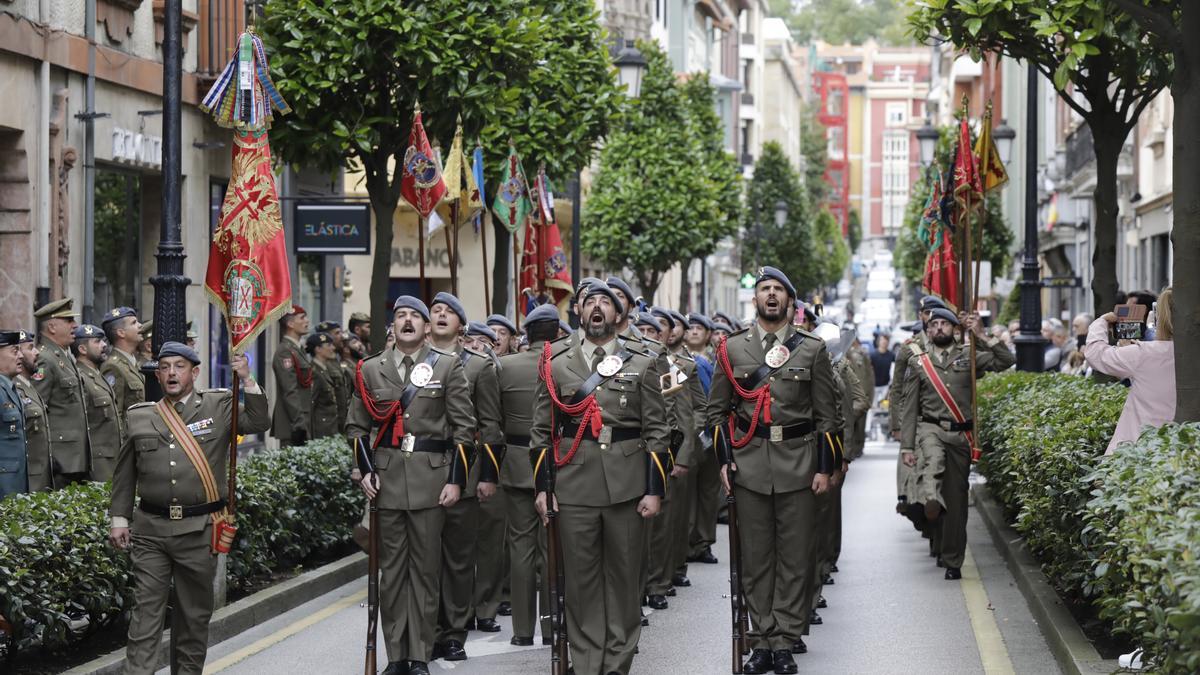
x,y
889,612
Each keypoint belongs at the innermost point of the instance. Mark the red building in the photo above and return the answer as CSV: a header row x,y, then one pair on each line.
x,y
832,98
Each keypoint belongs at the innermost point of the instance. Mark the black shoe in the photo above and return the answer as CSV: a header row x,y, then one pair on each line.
x,y
815,619
439,650
505,609
760,661
722,519
645,619
670,592
396,668
833,569
418,668
519,641
681,581
784,663
658,602
487,626
798,647
953,573
821,604
707,557
940,562
454,651
827,580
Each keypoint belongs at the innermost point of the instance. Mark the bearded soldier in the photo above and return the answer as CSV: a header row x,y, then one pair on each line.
x,y
37,431
104,422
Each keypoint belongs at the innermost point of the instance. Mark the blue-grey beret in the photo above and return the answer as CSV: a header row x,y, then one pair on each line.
x,y
542,313
409,302
453,303
679,318
476,328
665,315
931,301
85,331
501,320
116,314
648,319
943,313
701,320
721,325
9,338
565,327
179,349
600,287
767,272
619,284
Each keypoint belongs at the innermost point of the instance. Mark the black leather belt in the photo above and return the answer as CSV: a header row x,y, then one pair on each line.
x,y
785,433
618,433
950,425
176,512
513,439
425,445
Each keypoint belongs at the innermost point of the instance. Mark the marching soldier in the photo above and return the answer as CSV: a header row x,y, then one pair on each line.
x,y
324,419
936,435
413,405
145,350
360,327
120,370
506,333
14,479
38,460
526,538
293,382
856,426
104,422
600,420
175,457
908,502
704,477
773,413
344,381
58,381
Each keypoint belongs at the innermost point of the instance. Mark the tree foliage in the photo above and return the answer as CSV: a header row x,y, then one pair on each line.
x,y
661,194
789,246
814,147
855,231
832,253
842,21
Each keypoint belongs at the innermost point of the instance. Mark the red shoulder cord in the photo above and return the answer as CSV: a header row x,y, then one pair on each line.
x,y
391,413
760,396
302,376
587,409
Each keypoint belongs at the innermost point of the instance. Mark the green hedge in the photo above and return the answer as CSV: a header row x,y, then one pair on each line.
x,y
1122,532
55,560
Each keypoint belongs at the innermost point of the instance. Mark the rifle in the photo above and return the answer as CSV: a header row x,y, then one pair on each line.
x,y
557,578
737,599
367,467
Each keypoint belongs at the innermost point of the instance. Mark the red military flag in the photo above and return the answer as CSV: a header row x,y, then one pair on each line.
x,y
421,182
544,273
968,187
941,273
248,277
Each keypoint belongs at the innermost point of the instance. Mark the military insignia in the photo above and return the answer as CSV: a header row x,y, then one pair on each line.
x,y
609,366
40,374
287,362
777,356
423,169
111,379
248,292
422,373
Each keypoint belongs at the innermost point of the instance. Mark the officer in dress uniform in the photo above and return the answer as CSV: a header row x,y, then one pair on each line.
x,y
14,474
58,381
466,558
104,421
526,537
293,381
171,538
418,417
782,456
37,433
120,370
345,369
601,421
908,502
934,438
327,380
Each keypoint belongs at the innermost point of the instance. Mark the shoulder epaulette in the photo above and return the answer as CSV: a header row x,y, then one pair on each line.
x,y
916,349
215,390
474,352
143,404
807,334
561,346
686,356
443,352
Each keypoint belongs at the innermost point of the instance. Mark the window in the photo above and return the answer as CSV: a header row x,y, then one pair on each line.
x,y
835,143
896,114
118,228
895,179
833,106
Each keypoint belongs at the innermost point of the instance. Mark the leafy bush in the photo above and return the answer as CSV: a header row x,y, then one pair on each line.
x,y
56,564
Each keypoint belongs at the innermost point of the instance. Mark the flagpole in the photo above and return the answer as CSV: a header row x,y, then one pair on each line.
x,y
233,443
516,284
485,225
968,295
451,254
984,162
421,256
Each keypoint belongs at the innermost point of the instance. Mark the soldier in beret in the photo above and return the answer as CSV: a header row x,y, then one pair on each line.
x,y
145,350
290,420
327,379
120,371
104,421
173,454
39,461
360,327
345,368
14,479
58,381
506,333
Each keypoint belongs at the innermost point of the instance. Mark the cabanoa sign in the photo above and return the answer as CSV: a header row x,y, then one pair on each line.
x,y
327,226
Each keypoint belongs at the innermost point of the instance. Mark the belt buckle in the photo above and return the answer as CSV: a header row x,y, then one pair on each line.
x,y
408,443
605,435
946,425
175,512
776,433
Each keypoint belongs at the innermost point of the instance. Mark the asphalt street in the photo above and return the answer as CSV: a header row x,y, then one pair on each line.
x,y
890,611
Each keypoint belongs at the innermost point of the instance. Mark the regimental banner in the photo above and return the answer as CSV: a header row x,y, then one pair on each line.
x,y
331,226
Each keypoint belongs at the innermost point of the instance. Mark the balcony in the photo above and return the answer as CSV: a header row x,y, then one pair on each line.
x,y
221,22
1079,150
747,98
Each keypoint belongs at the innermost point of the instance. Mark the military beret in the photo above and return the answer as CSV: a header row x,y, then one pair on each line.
x,y
327,326
565,327
581,287
679,318
297,309
362,317
931,301
766,272
809,315
541,313
733,323
619,284
147,330
701,320
501,320
665,315
453,303
23,336
58,309
648,319
116,314
601,288
317,339
409,302
178,349
721,325
943,313
476,328
87,331
9,338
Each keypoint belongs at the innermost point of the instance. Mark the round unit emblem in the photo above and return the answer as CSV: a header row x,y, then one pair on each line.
x,y
421,375
777,356
609,366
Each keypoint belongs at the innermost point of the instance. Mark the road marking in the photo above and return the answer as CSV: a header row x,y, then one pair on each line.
x,y
992,653
283,633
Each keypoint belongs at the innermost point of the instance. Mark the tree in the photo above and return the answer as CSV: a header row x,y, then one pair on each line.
x,y
814,147
1174,24
536,71
788,246
659,196
841,21
855,228
1086,49
832,252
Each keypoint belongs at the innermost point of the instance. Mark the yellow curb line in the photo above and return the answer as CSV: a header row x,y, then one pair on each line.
x,y
993,655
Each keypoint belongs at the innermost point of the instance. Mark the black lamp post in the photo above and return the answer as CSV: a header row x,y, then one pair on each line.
x,y
1030,343
927,140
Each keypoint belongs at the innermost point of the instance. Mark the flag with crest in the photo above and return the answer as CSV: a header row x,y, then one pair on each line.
x,y
545,276
463,199
992,172
421,182
512,205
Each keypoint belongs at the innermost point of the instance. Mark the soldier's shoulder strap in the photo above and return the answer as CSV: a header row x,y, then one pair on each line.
x,y
440,351
916,348
740,331
143,404
561,346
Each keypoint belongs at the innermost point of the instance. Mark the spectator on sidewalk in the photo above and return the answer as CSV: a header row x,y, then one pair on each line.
x,y
1079,326
1150,366
882,358
1076,364
1057,347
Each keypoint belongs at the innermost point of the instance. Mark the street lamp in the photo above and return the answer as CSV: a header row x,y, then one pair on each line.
x,y
781,213
1004,136
1030,343
630,67
927,140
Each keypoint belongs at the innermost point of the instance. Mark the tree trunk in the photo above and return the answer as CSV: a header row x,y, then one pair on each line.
x,y
383,202
1108,137
1185,231
685,286
648,282
501,278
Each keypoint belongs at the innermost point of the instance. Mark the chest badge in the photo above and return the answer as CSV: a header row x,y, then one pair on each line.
x,y
609,366
777,356
421,375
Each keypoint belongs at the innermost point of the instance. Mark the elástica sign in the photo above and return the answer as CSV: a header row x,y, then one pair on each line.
x,y
332,227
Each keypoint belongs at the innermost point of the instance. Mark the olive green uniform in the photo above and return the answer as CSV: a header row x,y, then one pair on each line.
x,y
776,505
121,373
37,436
58,381
598,489
410,484
346,386
104,422
293,400
906,476
323,411
705,477
471,555
856,424
944,456
174,556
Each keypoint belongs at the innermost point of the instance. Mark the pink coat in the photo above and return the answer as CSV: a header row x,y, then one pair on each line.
x,y
1150,366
